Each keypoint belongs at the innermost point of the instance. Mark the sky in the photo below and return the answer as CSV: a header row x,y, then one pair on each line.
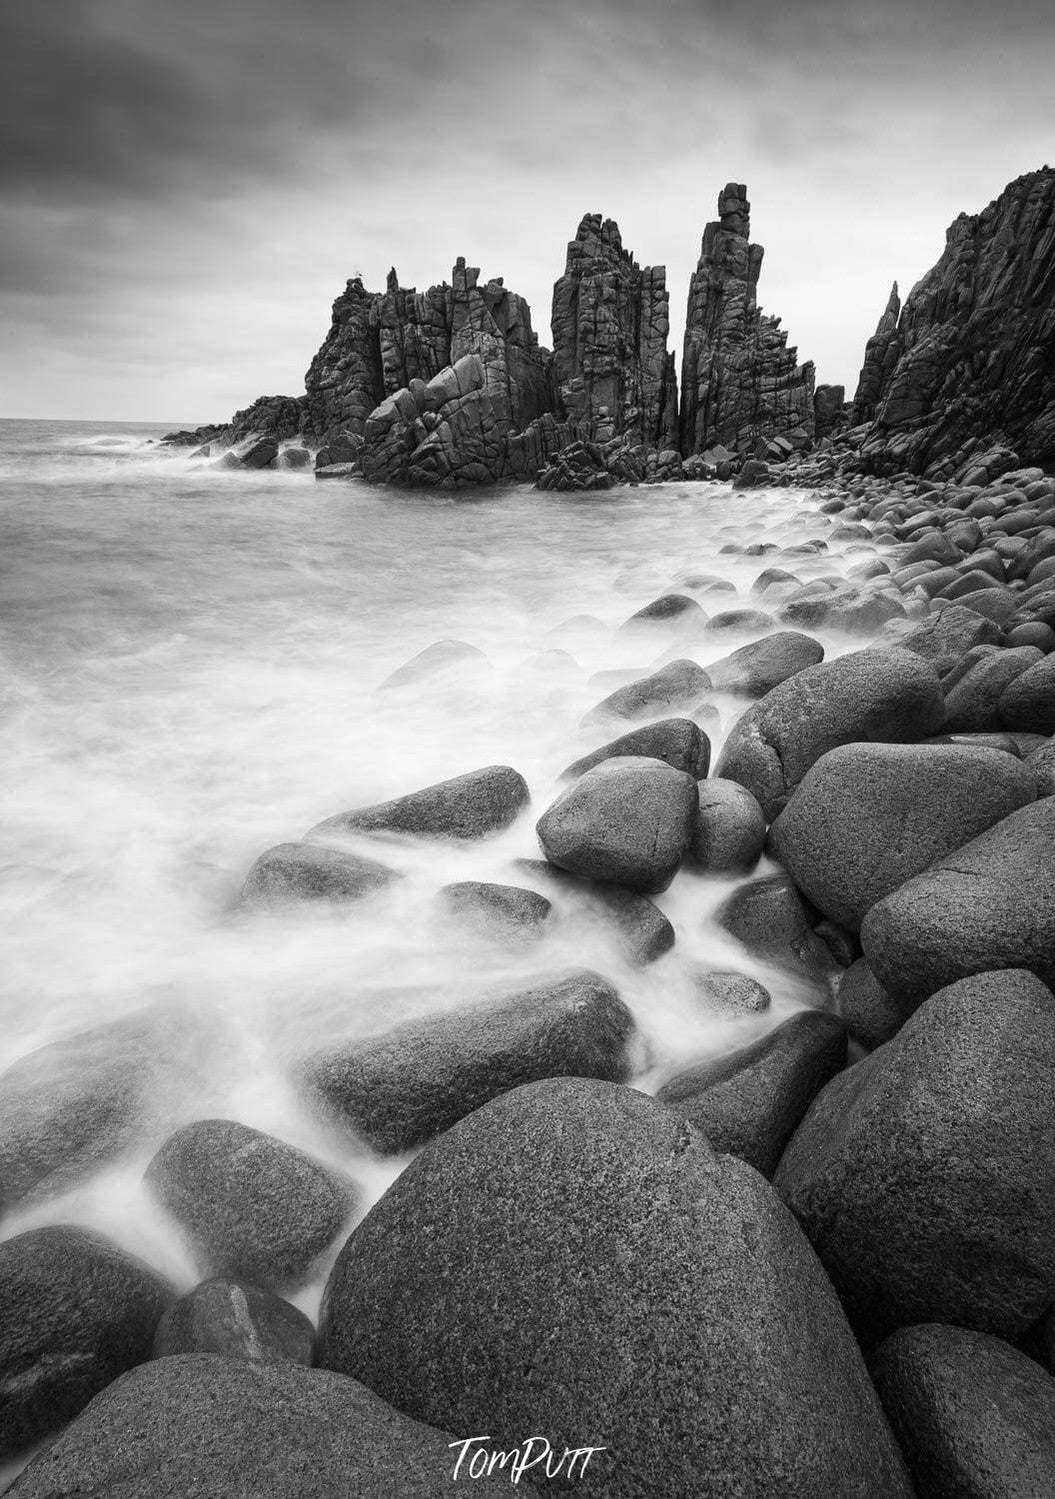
x,y
187,184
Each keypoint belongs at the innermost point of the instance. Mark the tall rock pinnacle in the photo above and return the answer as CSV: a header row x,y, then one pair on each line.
x,y
739,380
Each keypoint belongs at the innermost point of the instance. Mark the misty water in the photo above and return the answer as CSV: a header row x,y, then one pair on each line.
x,y
191,662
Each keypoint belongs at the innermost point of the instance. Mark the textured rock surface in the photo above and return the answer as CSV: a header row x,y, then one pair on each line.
x,y
749,1102
401,1088
889,696
615,1278
494,913
729,829
740,383
75,1312
679,684
678,742
989,904
770,919
467,806
964,373
292,872
235,1321
974,1417
924,1175
610,324
756,669
867,817
252,1207
212,1426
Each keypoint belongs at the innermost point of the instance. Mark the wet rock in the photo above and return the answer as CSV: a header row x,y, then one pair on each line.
x,y
774,1398
397,1090
627,821
441,659
678,685
75,1312
1041,764
673,609
729,830
869,1013
867,817
738,619
926,1199
872,695
1040,635
643,932
235,1321
678,742
469,806
292,872
972,698
989,904
944,637
251,1207
974,1417
503,913
756,669
768,917
261,455
1028,702
732,993
749,1102
198,1424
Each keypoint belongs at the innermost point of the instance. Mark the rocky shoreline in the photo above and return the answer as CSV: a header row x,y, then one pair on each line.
x,y
822,1263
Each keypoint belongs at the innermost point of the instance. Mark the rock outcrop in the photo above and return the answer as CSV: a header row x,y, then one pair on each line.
x,y
960,381
610,324
740,383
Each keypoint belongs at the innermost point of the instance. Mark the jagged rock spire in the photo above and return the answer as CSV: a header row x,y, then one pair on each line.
x,y
881,355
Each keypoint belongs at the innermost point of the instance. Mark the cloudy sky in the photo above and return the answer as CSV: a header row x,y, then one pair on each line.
x,y
187,184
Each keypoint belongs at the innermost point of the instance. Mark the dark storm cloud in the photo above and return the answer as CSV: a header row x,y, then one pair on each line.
x,y
186,184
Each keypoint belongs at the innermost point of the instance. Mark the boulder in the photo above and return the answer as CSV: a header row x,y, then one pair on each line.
x,y
469,806
989,904
749,1102
627,821
1028,702
678,742
235,1321
1041,764
739,619
868,1012
925,1174
203,1425
678,685
867,817
75,1312
731,993
642,931
401,1088
673,609
295,872
972,698
251,1207
756,669
768,917
500,913
889,696
975,1418
619,1279
441,660
943,637
729,830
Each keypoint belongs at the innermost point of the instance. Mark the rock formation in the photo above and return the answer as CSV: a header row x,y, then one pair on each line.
x,y
740,383
961,380
611,319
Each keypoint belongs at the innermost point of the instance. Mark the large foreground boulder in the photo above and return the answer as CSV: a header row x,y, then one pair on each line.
x,y
867,817
756,669
975,1418
886,696
989,904
201,1425
75,1312
401,1088
573,1260
925,1174
469,806
252,1207
749,1102
628,821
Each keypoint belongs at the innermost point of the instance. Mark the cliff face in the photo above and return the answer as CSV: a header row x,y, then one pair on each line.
x,y
611,319
740,383
970,364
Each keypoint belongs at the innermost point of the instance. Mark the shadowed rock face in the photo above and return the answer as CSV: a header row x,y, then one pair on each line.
x,y
739,381
965,370
610,325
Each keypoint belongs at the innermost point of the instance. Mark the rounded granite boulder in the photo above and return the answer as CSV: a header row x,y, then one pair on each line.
x,y
1028,702
235,1321
506,914
294,872
678,742
252,1207
469,806
975,1418
768,916
924,1175
729,830
888,696
867,817
76,1311
612,1283
627,821
756,669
